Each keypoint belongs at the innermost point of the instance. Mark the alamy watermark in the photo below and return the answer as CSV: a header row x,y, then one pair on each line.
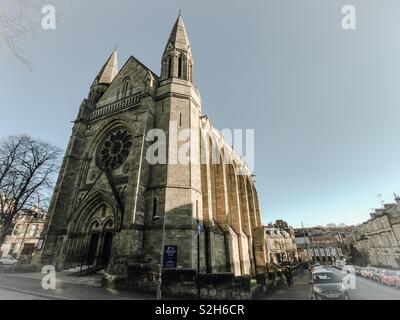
x,y
49,19
191,146
49,280
349,17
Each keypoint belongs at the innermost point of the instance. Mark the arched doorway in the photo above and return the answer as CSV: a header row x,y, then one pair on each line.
x,y
107,237
91,236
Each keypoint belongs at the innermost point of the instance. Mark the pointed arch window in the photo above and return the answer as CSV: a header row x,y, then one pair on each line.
x,y
169,67
154,207
125,86
180,67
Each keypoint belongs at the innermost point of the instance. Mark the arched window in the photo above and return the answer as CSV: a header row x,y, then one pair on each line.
x,y
154,207
125,87
169,67
180,67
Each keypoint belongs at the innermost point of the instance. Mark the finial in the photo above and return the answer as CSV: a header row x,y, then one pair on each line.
x,y
116,46
180,11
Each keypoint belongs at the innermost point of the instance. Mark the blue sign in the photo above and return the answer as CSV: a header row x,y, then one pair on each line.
x,y
170,256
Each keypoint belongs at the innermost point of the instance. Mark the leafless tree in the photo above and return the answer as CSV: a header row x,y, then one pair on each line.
x,y
17,23
27,169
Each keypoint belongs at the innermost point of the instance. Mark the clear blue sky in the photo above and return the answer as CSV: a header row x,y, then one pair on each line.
x,y
324,102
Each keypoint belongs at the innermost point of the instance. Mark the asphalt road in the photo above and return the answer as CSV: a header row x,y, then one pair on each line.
x,y
17,288
370,290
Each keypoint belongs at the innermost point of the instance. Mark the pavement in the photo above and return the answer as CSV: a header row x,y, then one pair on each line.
x,y
29,287
301,289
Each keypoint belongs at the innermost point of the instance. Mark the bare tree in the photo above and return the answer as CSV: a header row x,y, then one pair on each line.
x,y
17,23
27,169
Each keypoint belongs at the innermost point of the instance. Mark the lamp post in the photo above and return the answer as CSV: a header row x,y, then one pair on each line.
x,y
159,280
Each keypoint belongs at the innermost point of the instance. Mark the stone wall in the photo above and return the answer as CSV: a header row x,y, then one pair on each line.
x,y
187,284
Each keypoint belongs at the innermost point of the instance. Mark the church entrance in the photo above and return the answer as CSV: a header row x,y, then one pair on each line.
x,y
90,238
106,250
94,241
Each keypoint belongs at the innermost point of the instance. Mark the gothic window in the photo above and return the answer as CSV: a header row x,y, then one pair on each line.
x,y
115,149
180,67
154,207
125,87
169,66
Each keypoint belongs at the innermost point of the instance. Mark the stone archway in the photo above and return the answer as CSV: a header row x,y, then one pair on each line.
x,y
90,234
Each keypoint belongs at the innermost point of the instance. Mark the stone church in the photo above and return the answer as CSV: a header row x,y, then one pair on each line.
x,y
109,203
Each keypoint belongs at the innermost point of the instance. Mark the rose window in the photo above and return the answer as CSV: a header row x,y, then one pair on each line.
x,y
115,149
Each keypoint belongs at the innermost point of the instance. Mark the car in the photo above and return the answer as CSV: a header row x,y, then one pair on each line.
x,y
327,285
8,260
368,272
364,272
390,277
316,266
358,270
377,274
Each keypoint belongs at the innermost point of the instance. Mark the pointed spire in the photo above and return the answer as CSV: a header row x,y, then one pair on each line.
x,y
179,38
109,70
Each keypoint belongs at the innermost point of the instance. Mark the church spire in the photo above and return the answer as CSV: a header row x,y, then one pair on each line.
x,y
177,59
178,38
104,77
109,70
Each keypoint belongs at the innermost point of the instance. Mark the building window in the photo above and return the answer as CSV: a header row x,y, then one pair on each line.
x,y
125,87
154,207
32,232
180,67
169,66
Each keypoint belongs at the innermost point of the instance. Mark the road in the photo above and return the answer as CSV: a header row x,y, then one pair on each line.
x,y
15,287
364,289
370,290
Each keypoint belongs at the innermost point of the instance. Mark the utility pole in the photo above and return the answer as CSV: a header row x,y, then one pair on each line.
x,y
159,280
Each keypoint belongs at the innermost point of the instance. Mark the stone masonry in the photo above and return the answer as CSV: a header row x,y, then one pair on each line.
x,y
108,195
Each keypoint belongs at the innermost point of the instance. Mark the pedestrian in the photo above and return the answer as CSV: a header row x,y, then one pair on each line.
x,y
289,277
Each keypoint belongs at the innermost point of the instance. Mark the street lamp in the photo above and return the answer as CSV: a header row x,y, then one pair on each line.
x,y
159,280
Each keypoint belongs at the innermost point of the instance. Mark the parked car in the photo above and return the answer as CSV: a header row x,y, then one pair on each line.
x,y
390,277
315,265
377,274
326,285
317,268
367,272
8,260
358,270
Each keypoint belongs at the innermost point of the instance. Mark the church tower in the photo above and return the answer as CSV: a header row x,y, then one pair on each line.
x,y
176,185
